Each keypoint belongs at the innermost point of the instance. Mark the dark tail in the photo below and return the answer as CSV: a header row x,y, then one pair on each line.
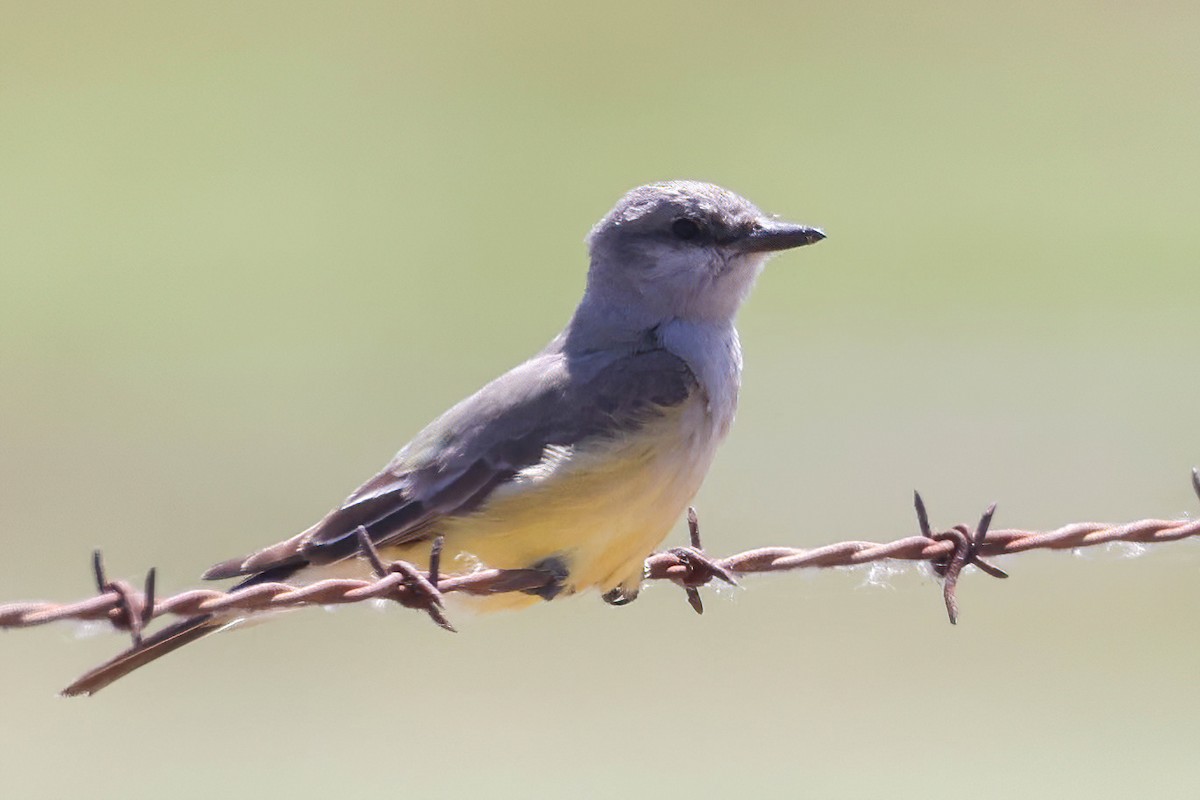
x,y
153,647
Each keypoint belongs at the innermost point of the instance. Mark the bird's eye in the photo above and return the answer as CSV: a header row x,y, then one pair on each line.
x,y
685,229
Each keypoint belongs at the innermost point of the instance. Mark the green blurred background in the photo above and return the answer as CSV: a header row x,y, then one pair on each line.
x,y
249,249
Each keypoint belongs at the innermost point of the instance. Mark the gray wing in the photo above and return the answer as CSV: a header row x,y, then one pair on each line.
x,y
453,465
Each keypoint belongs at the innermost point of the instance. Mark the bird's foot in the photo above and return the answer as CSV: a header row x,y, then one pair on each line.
x,y
556,571
620,596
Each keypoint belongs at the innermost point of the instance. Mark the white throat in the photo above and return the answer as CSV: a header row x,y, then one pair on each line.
x,y
714,354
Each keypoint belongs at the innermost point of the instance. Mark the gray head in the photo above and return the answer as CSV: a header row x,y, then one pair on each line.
x,y
683,249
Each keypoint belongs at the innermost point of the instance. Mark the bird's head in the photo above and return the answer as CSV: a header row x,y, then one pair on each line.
x,y
684,249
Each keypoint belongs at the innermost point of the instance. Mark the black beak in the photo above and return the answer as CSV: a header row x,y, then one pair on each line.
x,y
775,235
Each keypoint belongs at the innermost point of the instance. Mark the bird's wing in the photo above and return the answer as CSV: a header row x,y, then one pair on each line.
x,y
453,465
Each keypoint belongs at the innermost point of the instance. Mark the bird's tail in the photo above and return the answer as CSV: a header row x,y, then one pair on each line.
x,y
152,647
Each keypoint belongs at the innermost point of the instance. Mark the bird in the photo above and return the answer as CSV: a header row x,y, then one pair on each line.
x,y
579,461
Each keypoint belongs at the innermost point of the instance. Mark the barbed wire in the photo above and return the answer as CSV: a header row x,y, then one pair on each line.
x,y
128,608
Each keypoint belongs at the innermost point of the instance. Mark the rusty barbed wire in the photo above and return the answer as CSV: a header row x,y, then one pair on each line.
x,y
130,609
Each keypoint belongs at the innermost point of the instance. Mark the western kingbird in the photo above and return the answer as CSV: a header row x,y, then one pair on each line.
x,y
578,461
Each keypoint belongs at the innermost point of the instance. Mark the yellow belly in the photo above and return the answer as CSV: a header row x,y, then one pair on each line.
x,y
601,511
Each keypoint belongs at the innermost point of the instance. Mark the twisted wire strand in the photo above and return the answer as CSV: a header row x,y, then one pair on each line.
x,y
128,608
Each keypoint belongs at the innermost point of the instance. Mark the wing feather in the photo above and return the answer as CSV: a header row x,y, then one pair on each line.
x,y
453,465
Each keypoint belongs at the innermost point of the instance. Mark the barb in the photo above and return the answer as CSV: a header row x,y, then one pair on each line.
x,y
966,551
948,552
698,569
132,610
